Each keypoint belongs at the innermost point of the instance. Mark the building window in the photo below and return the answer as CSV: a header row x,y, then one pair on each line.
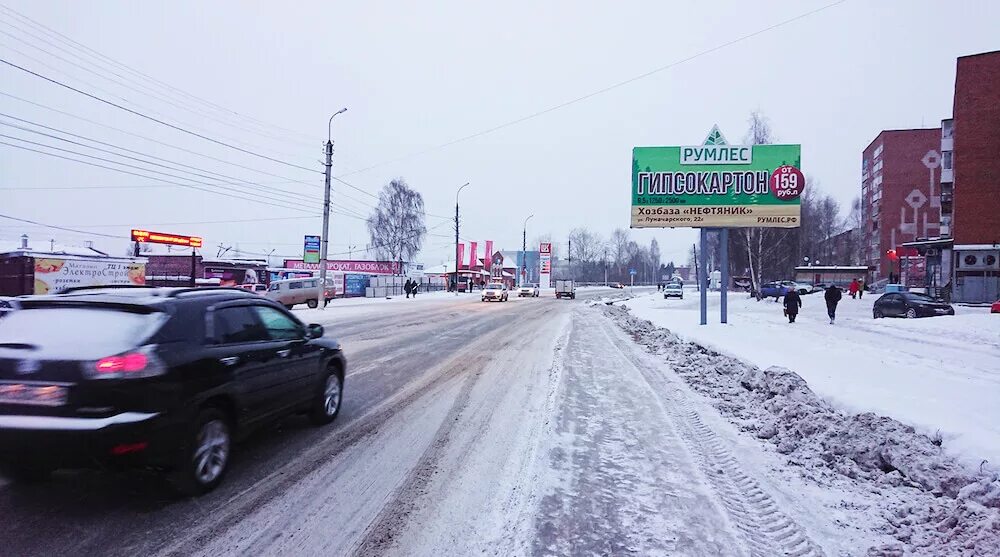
x,y
946,160
947,129
878,151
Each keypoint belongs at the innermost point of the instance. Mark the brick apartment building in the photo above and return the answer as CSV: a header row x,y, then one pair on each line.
x,y
976,214
901,194
967,249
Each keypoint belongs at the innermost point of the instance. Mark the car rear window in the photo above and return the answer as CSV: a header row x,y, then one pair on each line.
x,y
76,332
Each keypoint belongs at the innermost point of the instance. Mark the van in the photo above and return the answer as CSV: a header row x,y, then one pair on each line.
x,y
292,292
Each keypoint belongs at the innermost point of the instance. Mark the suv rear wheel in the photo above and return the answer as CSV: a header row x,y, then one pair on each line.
x,y
326,406
205,459
312,304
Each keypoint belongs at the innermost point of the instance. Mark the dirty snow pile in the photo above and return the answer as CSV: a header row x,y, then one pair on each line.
x,y
926,499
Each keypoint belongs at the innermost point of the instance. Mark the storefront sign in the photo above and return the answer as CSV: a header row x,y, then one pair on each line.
x,y
54,275
145,236
231,276
716,186
348,266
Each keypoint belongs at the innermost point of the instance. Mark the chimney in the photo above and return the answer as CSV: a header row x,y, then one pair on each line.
x,y
89,244
24,241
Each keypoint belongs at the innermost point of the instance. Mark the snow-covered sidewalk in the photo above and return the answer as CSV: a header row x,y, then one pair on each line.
x,y
938,374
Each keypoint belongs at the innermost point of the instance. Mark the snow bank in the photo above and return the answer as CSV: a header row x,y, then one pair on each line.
x,y
937,374
930,503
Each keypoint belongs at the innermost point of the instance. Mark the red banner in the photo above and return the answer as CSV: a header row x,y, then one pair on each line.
x,y
460,257
489,254
472,255
348,266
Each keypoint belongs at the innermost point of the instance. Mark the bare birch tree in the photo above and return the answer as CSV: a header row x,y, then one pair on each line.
x,y
396,225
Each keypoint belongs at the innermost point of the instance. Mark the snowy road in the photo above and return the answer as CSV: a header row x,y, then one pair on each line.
x,y
534,427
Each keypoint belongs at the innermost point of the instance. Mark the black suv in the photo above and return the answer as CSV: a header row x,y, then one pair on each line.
x,y
158,377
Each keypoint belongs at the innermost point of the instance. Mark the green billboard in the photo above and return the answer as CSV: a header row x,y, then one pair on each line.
x,y
716,185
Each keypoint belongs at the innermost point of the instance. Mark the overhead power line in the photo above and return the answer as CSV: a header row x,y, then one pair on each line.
x,y
601,91
152,119
88,163
157,141
77,46
131,84
36,223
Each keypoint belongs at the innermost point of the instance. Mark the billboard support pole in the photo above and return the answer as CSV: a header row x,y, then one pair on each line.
x,y
703,275
724,287
193,267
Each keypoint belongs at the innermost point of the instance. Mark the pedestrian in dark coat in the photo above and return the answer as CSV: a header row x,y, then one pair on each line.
x,y
408,287
413,288
792,303
832,296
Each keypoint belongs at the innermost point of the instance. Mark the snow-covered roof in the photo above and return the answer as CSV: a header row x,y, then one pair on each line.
x,y
58,250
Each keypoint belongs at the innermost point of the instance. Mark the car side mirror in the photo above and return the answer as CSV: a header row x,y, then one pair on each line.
x,y
314,331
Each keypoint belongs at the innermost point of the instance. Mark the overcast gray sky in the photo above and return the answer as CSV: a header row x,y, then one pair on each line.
x,y
415,76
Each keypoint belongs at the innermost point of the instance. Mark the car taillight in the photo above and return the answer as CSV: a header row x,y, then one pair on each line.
x,y
135,364
128,363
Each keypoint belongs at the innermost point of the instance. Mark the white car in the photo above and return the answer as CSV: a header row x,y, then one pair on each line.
x,y
529,290
495,291
673,290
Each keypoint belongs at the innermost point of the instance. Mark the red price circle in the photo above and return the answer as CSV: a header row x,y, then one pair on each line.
x,y
787,182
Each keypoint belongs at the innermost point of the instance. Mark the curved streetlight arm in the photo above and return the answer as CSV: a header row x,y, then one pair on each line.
x,y
329,124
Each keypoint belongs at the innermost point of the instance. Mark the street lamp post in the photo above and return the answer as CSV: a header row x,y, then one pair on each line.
x,y
524,252
325,238
457,255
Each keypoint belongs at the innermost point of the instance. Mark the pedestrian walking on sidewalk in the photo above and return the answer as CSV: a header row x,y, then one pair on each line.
x,y
854,288
832,296
864,284
408,287
792,304
413,288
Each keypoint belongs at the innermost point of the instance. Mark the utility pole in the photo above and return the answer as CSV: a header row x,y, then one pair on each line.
x,y
457,255
569,252
605,266
524,253
325,243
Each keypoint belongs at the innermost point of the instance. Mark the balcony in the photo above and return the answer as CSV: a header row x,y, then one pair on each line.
x,y
947,143
947,175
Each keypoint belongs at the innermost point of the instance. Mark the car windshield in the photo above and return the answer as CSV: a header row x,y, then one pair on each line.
x,y
76,332
494,286
918,297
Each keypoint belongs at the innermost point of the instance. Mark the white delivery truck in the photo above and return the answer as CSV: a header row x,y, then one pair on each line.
x,y
565,289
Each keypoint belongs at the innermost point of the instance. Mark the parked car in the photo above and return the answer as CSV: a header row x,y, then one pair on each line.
x,y
617,285
800,287
495,291
673,290
7,305
166,378
529,290
773,289
292,292
909,304
565,289
995,308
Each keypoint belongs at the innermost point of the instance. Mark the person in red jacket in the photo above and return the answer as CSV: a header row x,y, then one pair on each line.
x,y
854,288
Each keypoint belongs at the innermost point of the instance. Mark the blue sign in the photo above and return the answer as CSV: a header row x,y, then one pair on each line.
x,y
355,285
632,272
310,252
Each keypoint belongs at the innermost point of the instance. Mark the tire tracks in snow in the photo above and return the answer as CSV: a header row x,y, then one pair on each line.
x,y
766,529
468,424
